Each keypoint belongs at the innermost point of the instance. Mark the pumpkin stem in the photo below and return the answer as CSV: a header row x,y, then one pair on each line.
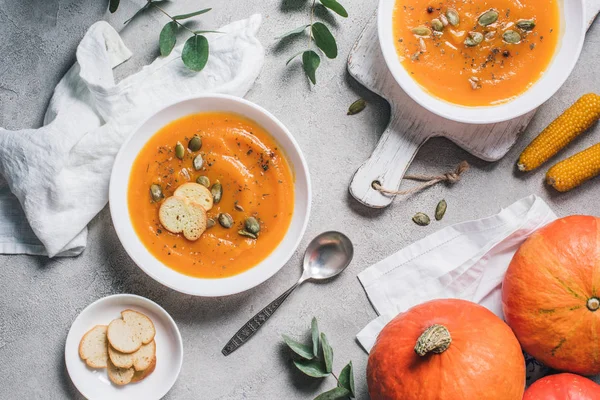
x,y
435,339
593,303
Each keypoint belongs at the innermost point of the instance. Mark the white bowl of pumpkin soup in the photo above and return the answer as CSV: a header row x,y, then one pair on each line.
x,y
210,196
481,61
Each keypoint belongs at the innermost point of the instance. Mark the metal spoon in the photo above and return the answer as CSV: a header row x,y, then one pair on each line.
x,y
326,256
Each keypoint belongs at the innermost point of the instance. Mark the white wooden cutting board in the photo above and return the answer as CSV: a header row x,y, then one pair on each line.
x,y
411,125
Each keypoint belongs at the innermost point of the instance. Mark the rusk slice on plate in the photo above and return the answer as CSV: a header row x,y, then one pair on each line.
x,y
179,214
127,335
195,193
93,347
141,375
119,376
140,360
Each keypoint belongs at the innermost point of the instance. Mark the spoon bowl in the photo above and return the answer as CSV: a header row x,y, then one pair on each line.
x,y
327,255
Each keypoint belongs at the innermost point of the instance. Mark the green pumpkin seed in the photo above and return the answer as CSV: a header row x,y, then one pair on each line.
x,y
252,225
357,107
203,180
440,210
437,25
210,223
179,150
198,162
217,192
474,39
453,17
526,24
225,220
512,37
421,31
488,18
195,143
247,234
421,219
156,193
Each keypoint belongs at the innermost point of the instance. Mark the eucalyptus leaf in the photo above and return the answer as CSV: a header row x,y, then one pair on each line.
x,y
336,7
337,393
302,350
346,379
113,5
311,61
312,368
327,353
314,329
294,56
324,39
195,53
296,31
167,38
193,14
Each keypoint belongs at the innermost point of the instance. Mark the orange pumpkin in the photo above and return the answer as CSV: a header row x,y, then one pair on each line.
x,y
446,350
563,387
551,295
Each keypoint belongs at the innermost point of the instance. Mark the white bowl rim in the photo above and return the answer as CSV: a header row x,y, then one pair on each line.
x,y
214,289
143,300
464,114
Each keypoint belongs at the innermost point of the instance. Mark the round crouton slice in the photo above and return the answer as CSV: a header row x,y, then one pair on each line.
x,y
179,214
143,325
141,375
93,347
119,376
144,356
124,337
121,360
196,193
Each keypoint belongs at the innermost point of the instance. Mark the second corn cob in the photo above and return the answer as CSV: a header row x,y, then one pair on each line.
x,y
575,170
574,121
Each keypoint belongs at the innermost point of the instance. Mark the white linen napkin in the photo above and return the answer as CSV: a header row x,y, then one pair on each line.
x,y
465,261
57,176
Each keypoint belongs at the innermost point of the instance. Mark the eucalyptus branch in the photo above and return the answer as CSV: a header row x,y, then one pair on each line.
x,y
320,34
195,50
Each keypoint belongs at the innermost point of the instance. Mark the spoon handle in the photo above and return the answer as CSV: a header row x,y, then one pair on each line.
x,y
250,328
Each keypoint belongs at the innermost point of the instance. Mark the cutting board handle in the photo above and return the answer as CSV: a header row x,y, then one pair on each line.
x,y
387,165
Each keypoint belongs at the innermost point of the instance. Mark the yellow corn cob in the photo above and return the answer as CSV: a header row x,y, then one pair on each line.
x,y
574,121
575,170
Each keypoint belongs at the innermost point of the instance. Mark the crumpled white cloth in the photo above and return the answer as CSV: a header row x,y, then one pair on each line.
x,y
465,261
58,175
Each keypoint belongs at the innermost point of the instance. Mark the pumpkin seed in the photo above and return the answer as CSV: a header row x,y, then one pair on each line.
x,y
217,192
421,219
488,18
198,162
473,39
252,225
210,223
156,193
195,143
238,207
422,45
440,210
179,150
247,234
512,37
225,220
421,31
490,35
444,20
526,24
453,17
203,180
437,25
357,107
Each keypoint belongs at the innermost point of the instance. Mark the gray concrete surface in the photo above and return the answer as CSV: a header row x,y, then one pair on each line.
x,y
39,297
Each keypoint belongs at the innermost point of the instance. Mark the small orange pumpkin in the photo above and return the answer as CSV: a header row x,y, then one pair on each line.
x,y
563,387
551,295
446,350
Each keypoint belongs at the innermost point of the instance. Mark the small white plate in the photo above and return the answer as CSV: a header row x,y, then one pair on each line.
x,y
94,383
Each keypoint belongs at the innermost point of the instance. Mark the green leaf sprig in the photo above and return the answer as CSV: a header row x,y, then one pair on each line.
x,y
195,50
322,37
316,360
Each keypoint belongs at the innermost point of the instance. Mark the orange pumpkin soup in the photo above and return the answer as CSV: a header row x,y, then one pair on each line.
x,y
256,180
476,52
